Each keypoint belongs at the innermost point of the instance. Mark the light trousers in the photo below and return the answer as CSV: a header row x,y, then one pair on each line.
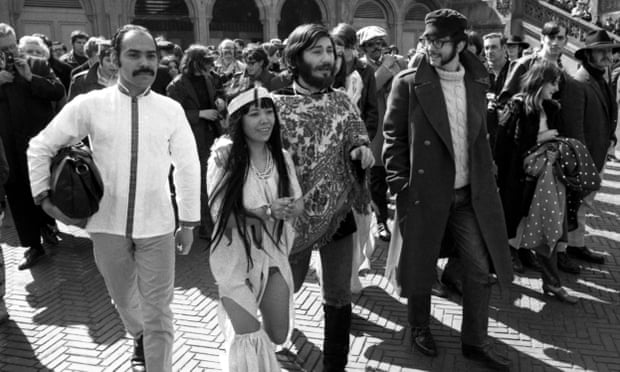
x,y
139,276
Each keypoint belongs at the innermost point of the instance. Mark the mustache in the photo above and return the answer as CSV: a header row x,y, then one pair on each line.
x,y
325,66
144,70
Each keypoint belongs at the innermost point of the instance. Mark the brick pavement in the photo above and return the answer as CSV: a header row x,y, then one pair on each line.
x,y
62,319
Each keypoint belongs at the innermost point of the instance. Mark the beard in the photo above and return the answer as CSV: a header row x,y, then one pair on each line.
x,y
444,60
306,73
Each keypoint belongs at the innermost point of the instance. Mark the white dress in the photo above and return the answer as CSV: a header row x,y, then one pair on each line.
x,y
245,285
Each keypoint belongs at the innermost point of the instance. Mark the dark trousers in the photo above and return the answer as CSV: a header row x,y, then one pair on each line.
x,y
549,265
28,217
378,192
465,231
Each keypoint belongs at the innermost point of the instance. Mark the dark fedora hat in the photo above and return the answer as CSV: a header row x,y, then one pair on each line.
x,y
517,40
596,39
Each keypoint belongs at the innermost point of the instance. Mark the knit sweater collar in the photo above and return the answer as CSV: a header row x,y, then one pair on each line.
x,y
451,75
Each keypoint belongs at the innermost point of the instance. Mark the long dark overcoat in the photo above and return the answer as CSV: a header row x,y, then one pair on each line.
x,y
419,161
600,126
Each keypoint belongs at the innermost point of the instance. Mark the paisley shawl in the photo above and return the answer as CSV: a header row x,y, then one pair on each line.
x,y
319,131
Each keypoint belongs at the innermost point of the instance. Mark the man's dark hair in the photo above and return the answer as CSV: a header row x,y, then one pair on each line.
x,y
496,35
473,38
256,54
117,39
196,59
552,28
78,34
346,34
300,39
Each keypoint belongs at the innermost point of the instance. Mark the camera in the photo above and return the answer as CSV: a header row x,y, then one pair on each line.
x,y
9,61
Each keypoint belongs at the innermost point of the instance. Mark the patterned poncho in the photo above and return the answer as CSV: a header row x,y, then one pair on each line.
x,y
319,131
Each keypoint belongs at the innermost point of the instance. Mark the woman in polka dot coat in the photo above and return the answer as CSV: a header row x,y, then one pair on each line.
x,y
530,118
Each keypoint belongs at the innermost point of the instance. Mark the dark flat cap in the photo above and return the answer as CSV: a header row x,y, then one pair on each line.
x,y
444,22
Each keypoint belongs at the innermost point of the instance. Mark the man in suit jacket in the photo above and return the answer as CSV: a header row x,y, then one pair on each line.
x,y
599,130
439,165
27,91
194,89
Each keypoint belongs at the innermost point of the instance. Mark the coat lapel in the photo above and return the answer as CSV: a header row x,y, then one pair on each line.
x,y
189,88
429,94
474,89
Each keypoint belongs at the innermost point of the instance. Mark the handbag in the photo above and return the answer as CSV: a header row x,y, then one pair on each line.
x,y
76,185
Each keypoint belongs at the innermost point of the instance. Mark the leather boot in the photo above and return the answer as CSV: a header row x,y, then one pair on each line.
x,y
336,341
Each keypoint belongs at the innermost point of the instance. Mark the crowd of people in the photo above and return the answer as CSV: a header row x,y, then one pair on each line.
x,y
582,9
269,151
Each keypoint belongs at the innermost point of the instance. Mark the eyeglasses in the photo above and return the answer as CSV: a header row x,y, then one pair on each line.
x,y
437,43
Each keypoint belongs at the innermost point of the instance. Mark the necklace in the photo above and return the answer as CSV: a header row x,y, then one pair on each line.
x,y
266,171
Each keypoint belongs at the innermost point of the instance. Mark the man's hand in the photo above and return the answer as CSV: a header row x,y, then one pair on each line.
x,y
220,104
183,239
55,213
6,77
547,135
23,68
211,114
388,60
364,154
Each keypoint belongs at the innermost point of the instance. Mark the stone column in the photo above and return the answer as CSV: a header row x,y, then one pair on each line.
x,y
201,24
398,37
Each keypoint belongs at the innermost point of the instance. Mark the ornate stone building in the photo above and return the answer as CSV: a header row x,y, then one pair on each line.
x,y
209,21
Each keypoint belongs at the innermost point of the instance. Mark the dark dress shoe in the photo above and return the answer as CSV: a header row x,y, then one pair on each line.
x,y
137,359
559,293
422,340
383,232
31,256
586,254
440,290
529,259
49,233
566,264
517,265
487,355
454,285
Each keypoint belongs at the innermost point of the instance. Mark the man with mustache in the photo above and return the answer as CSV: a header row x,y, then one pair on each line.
x,y
439,165
136,135
328,141
599,130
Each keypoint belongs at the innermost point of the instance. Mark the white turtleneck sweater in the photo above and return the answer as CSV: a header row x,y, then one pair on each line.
x,y
453,87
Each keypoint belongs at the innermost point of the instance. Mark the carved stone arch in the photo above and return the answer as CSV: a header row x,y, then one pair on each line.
x,y
260,5
412,5
130,9
320,3
389,8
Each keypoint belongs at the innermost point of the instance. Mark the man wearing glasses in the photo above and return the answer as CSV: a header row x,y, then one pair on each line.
x,y
439,165
373,42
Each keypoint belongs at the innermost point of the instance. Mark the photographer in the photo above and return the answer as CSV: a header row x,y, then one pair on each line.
x,y
28,87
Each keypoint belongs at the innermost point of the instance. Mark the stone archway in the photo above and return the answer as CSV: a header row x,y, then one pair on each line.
x,y
168,18
232,19
297,12
371,13
413,25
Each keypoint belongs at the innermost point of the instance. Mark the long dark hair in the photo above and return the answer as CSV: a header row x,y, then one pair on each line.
x,y
230,187
532,82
